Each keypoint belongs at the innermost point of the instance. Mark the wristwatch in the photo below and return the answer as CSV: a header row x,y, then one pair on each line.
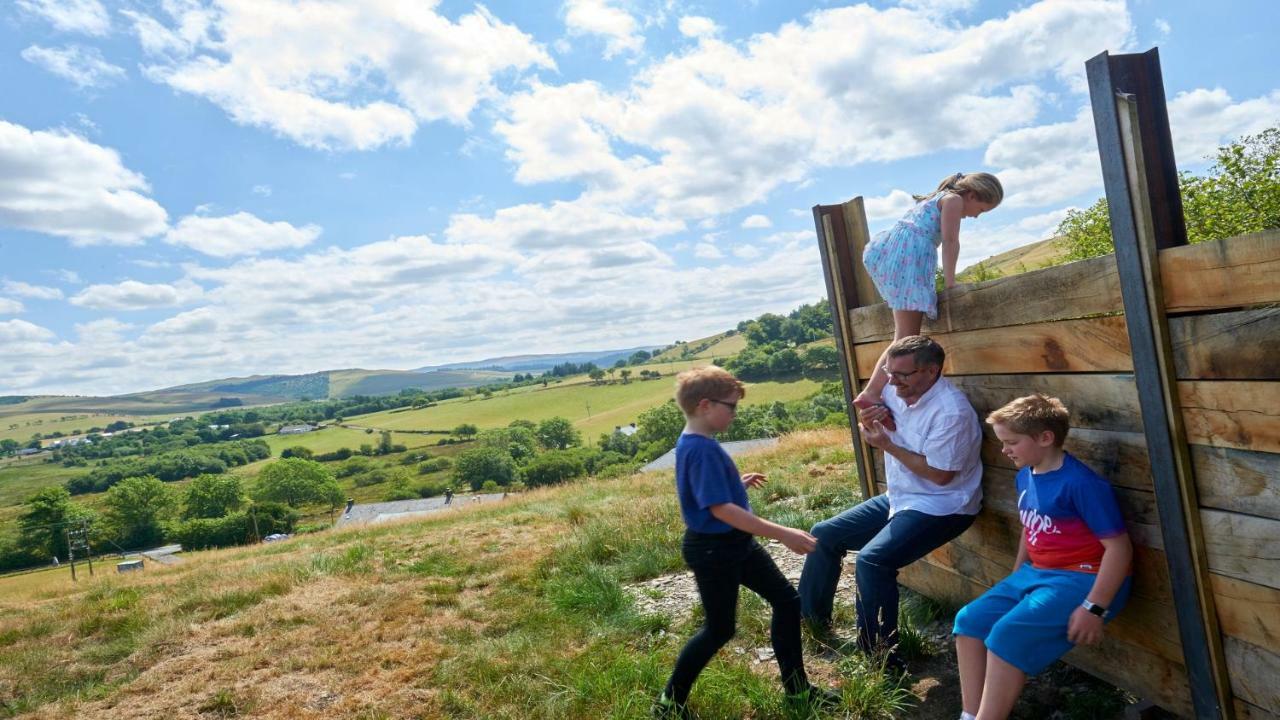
x,y
1094,608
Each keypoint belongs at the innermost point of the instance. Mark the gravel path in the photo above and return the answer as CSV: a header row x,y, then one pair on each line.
x,y
733,447
381,512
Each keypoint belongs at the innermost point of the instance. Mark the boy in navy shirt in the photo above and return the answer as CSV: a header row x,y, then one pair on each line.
x,y
1072,571
720,550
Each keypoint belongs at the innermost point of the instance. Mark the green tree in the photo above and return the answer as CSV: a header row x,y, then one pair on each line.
x,y
294,481
297,451
558,433
43,523
596,376
518,441
478,465
466,430
212,496
821,357
553,467
785,362
626,376
9,447
384,442
135,510
639,357
660,425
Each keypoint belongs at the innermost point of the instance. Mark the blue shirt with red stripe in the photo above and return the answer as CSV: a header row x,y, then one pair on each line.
x,y
1065,513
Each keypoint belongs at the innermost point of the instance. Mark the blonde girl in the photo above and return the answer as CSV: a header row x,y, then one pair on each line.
x,y
903,260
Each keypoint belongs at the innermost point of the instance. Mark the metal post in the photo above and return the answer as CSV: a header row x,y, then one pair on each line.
x,y
1145,208
71,555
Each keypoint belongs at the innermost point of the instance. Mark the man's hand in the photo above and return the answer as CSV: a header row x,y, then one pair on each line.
x,y
754,480
1084,628
876,435
798,541
877,413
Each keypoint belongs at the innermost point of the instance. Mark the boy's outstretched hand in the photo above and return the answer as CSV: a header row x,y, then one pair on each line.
x,y
754,480
1084,628
798,541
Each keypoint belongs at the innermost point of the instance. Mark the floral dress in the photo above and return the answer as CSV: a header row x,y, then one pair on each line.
x,y
903,260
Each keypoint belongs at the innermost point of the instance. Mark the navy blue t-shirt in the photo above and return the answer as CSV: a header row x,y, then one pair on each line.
x,y
706,476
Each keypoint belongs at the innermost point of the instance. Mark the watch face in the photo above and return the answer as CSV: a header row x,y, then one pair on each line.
x,y
1097,609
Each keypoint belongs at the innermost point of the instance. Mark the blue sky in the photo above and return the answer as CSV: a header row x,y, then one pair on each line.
x,y
195,189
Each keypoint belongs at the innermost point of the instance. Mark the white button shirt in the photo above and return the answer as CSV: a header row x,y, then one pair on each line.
x,y
943,427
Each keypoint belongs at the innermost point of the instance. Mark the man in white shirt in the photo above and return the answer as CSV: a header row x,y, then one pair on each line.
x,y
931,439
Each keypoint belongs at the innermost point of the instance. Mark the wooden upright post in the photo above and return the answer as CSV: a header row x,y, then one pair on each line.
x,y
1145,207
842,233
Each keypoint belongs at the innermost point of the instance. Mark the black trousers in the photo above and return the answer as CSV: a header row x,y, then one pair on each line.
x,y
721,563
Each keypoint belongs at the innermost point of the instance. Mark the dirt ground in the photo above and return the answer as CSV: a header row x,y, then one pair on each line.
x,y
1060,693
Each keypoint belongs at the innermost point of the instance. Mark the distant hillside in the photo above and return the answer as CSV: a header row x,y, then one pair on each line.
x,y
1020,259
534,363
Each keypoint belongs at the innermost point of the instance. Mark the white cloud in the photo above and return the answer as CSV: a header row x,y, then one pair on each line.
x,y
746,252
11,307
71,277
696,26
83,16
19,331
34,292
239,234
893,205
707,251
757,221
336,75
1047,164
83,66
1163,27
1202,120
133,295
61,184
556,227
719,126
263,190
600,17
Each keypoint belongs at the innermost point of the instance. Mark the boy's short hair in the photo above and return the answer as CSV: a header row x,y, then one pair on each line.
x,y
924,350
710,382
1034,414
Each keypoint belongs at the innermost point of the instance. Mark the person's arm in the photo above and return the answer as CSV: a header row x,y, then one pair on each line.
x,y
952,207
877,437
1022,552
1085,628
797,541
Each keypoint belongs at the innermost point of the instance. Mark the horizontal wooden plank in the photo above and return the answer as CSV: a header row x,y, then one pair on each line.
x,y
1247,611
1246,711
1254,673
1240,345
1244,547
1238,480
1236,414
1078,289
1237,272
1102,402
1099,344
1140,671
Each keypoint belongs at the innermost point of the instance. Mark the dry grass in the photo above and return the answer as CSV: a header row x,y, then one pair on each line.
x,y
509,610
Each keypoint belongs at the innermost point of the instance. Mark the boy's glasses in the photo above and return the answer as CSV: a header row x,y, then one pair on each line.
x,y
898,375
733,406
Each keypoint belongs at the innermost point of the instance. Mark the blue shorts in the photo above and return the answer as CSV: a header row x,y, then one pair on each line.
x,y
1024,618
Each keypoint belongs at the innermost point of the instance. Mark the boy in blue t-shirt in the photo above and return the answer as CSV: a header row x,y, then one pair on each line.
x,y
1072,571
720,550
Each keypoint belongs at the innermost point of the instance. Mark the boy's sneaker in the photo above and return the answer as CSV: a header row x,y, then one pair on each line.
x,y
816,697
665,708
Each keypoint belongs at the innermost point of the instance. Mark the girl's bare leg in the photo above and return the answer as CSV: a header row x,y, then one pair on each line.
x,y
905,324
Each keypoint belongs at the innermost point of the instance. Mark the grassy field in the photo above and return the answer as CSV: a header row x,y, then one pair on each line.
x,y
511,610
594,409
22,426
712,346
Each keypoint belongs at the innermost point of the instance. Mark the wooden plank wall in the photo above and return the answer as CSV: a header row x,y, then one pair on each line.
x,y
1061,331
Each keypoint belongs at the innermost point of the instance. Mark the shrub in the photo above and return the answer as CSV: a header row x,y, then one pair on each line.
x,y
553,467
434,465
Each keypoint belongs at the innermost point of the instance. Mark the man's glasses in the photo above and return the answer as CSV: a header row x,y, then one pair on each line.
x,y
899,376
733,406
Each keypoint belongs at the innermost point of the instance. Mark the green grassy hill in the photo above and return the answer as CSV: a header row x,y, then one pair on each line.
x,y
1020,259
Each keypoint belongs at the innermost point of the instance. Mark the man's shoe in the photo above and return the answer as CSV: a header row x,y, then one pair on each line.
x,y
665,708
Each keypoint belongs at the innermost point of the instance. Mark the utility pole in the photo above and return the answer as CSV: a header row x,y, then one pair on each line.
x,y
78,539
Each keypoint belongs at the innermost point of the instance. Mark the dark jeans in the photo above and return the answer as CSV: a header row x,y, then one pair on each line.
x,y
720,564
884,546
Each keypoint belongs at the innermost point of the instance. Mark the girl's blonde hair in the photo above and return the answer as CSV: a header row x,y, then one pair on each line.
x,y
984,186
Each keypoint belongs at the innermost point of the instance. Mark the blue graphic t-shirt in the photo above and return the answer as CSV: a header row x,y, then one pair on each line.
x,y
706,476
1064,515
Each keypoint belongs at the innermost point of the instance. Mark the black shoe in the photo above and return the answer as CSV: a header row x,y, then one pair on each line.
x,y
665,708
816,697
